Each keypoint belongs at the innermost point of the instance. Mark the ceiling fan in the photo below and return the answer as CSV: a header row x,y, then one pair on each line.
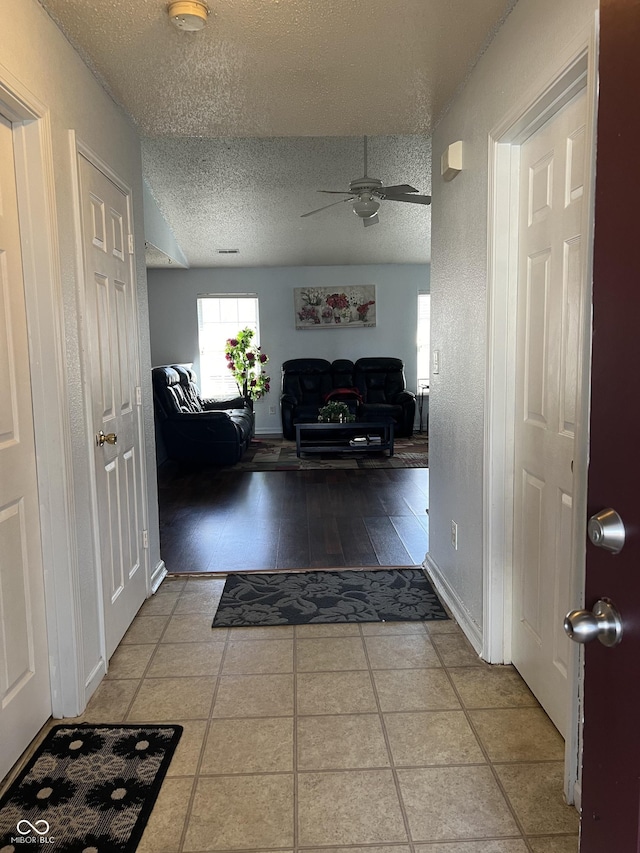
x,y
365,192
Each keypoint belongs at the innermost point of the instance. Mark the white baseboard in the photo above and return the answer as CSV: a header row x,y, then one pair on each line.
x,y
577,796
276,433
95,677
472,631
157,576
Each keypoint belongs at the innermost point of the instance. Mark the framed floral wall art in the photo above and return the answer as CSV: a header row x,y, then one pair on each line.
x,y
335,307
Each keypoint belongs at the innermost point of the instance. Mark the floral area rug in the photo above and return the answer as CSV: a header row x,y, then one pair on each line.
x,y
298,598
87,788
278,454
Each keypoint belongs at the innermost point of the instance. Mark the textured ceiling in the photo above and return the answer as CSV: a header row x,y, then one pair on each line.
x,y
249,194
268,69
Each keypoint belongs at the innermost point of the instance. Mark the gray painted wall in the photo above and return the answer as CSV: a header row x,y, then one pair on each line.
x,y
522,57
174,322
36,54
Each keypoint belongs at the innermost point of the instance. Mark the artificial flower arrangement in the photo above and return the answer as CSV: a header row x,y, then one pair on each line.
x,y
246,362
335,412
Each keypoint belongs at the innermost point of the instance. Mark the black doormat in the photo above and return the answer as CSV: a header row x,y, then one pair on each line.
x,y
87,788
380,595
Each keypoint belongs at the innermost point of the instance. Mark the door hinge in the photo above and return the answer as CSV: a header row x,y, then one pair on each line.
x,y
145,538
131,244
138,395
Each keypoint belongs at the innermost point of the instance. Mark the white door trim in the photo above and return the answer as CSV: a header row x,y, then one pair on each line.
x,y
576,71
45,321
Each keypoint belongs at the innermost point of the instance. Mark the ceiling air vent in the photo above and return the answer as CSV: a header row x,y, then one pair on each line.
x,y
228,251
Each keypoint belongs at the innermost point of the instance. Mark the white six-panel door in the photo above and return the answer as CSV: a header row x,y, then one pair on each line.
x,y
111,365
551,281
25,697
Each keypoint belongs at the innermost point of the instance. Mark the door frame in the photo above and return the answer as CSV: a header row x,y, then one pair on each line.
x,y
78,148
33,150
576,70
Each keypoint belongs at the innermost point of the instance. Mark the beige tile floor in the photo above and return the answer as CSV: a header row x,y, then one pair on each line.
x,y
372,738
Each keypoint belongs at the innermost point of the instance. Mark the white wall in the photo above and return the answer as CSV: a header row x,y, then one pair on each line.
x,y
38,56
157,231
174,322
521,58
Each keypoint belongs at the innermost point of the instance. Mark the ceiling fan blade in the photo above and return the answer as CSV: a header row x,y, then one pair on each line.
x,y
415,199
398,188
371,220
336,192
333,204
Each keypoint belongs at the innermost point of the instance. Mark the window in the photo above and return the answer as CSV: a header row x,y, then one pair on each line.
x,y
221,317
424,339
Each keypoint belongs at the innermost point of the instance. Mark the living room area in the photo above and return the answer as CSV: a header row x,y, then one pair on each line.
x,y
309,511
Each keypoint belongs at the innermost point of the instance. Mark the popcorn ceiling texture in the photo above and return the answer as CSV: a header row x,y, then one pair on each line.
x,y
243,121
275,68
249,194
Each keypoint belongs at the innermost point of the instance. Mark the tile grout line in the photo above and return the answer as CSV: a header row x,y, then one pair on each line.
x,y
196,774
296,828
148,665
125,717
385,734
483,749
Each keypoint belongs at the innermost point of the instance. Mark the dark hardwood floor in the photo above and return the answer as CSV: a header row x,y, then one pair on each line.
x,y
219,520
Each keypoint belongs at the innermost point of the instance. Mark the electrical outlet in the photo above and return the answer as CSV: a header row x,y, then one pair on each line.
x,y
454,535
272,410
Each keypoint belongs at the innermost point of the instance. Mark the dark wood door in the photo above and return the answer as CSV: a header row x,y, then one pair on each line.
x,y
611,769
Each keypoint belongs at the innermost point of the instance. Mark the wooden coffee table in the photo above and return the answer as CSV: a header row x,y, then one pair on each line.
x,y
337,438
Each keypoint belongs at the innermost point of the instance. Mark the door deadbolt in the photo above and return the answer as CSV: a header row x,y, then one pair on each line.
x,y
109,438
604,622
606,530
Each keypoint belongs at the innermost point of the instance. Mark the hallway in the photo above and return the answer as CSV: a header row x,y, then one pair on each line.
x,y
389,737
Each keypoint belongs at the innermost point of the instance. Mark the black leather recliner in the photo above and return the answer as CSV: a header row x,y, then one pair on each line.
x,y
196,429
382,385
307,383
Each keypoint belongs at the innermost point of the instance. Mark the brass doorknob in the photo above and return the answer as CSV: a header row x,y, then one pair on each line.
x,y
109,438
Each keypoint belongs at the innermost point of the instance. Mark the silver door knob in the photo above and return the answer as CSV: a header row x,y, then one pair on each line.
x,y
606,530
604,623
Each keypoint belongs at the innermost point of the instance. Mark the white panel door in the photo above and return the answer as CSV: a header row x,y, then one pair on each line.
x,y
25,696
551,281
112,371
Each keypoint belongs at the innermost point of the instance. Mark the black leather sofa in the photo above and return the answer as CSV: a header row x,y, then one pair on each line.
x,y
379,386
194,429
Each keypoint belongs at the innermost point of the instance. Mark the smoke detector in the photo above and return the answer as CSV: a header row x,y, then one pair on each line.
x,y
188,15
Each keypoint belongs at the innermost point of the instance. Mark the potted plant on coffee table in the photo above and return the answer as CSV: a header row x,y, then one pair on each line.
x,y
335,412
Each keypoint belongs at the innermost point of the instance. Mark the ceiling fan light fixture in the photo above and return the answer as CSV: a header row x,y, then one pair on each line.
x,y
188,15
365,206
